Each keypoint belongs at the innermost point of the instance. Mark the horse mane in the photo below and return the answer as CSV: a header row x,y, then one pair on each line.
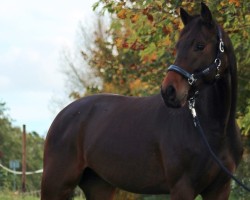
x,y
232,70
232,128
233,73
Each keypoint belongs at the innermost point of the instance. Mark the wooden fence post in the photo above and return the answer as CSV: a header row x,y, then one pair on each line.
x,y
24,160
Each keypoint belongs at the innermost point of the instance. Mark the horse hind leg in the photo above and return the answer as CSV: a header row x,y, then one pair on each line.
x,y
94,187
60,177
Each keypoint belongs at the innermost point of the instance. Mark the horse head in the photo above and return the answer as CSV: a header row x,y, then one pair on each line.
x,y
199,61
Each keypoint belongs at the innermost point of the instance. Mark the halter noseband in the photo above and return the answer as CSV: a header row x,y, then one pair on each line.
x,y
192,78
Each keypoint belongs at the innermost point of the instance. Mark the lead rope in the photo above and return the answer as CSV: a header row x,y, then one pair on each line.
x,y
191,103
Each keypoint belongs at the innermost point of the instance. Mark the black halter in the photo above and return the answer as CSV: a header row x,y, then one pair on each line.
x,y
192,78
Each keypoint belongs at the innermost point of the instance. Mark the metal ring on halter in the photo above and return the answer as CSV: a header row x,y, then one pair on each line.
x,y
221,46
217,61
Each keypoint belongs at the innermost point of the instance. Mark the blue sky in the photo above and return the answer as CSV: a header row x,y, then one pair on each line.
x,y
32,35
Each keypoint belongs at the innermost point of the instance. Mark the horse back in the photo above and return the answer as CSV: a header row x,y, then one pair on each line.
x,y
113,131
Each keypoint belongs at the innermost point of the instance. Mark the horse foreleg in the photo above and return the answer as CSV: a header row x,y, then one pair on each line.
x,y
218,192
182,190
220,189
95,188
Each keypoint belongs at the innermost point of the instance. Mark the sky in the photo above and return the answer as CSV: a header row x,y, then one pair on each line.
x,y
32,36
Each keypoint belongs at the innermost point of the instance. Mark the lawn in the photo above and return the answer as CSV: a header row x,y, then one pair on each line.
x,y
17,196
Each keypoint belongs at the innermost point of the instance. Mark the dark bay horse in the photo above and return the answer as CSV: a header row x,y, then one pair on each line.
x,y
150,145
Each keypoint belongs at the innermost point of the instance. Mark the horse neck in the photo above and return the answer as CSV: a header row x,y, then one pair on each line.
x,y
218,102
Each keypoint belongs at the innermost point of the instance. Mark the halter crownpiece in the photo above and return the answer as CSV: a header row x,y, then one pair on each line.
x,y
193,77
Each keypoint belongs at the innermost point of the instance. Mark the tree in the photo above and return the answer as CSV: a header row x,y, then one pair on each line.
x,y
130,57
11,148
154,25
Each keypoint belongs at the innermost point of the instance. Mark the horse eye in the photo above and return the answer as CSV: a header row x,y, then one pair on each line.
x,y
199,46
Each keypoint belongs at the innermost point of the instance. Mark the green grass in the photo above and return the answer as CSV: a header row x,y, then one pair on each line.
x,y
8,195
16,196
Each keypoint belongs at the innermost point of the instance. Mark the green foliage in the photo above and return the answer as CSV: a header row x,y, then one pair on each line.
x,y
11,149
147,30
131,55
243,173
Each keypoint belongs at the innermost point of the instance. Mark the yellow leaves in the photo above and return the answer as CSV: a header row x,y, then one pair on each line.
x,y
137,85
235,2
137,46
159,4
109,87
122,14
223,3
181,26
148,55
167,41
121,43
133,45
188,5
167,29
245,34
112,88
149,58
134,18
177,23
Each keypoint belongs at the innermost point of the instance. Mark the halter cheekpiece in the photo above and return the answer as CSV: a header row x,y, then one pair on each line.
x,y
193,77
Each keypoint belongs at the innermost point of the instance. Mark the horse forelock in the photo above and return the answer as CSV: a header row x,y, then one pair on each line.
x,y
198,28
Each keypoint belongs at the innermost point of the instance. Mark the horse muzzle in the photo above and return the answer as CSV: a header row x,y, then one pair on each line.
x,y
174,90
171,99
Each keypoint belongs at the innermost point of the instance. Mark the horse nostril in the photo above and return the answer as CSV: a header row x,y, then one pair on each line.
x,y
169,97
170,92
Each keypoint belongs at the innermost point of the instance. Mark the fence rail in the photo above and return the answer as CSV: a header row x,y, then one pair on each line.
x,y
19,172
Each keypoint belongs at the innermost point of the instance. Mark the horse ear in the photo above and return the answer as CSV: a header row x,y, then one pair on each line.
x,y
206,13
185,17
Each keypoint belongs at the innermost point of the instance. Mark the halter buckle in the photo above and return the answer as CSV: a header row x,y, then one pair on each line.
x,y
191,106
191,79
